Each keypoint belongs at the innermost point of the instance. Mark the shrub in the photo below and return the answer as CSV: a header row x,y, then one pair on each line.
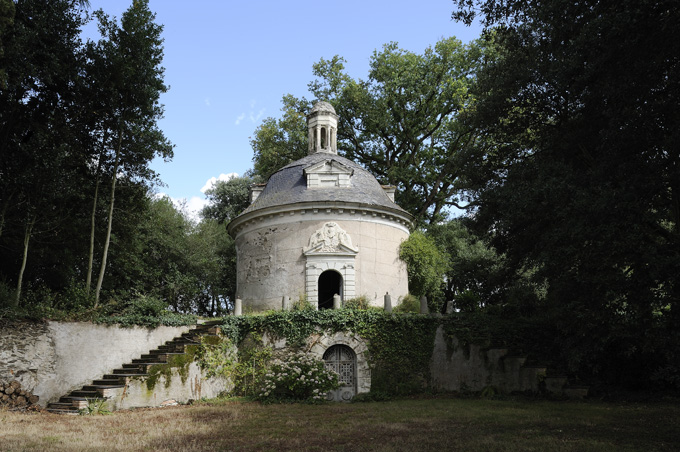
x,y
357,303
408,304
299,377
302,304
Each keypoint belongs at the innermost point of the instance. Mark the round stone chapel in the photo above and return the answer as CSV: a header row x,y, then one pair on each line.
x,y
321,226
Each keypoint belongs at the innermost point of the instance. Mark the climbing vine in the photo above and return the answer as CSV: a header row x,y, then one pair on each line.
x,y
400,346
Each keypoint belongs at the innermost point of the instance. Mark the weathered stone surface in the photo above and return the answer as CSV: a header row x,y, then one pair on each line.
x,y
322,213
50,359
458,367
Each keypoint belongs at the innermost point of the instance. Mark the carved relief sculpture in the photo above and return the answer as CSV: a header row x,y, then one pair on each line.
x,y
331,238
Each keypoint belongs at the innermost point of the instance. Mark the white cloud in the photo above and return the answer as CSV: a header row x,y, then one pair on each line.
x,y
251,115
195,205
254,117
210,182
207,101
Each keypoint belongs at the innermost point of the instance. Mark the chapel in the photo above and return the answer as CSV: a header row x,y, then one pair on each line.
x,y
321,226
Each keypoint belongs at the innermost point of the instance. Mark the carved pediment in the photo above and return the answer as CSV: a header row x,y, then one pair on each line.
x,y
328,173
330,239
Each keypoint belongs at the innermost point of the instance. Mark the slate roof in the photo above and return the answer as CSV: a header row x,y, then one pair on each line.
x,y
289,186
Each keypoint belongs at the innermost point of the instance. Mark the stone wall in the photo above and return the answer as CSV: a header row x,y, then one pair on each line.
x,y
469,367
52,358
273,263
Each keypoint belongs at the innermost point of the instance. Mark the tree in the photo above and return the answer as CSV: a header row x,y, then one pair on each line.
x,y
39,69
128,59
581,175
426,266
279,142
404,123
227,199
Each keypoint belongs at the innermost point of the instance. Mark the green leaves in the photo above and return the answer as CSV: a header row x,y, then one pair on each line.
x,y
426,265
404,122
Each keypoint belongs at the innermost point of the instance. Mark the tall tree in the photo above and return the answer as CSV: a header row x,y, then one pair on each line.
x,y
582,174
129,57
39,68
404,123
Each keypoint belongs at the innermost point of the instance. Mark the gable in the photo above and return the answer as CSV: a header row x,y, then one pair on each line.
x,y
328,173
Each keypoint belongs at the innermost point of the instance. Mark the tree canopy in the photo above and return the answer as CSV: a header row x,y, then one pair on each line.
x,y
404,123
580,177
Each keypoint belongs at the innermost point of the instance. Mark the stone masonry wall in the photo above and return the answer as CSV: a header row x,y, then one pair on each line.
x,y
52,358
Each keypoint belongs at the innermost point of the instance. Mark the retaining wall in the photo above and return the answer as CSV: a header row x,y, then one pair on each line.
x,y
51,358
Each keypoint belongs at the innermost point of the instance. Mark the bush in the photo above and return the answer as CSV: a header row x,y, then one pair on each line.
x,y
299,377
408,304
357,303
302,304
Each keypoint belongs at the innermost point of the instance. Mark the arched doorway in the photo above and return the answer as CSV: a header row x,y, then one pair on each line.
x,y
342,360
330,283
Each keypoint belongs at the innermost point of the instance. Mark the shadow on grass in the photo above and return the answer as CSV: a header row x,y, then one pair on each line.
x,y
432,424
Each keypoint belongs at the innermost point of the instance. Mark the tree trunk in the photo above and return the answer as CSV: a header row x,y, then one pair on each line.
x,y
102,267
88,281
27,238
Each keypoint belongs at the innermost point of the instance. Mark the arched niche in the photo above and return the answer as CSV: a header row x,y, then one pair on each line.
x,y
330,249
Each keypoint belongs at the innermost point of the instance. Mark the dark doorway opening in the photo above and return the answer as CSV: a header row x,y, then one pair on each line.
x,y
330,283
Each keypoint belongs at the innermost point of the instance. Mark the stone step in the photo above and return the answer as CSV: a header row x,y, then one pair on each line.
x,y
125,374
131,366
99,388
83,393
144,361
77,402
109,382
60,406
69,412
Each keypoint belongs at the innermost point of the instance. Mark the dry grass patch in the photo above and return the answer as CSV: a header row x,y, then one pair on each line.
x,y
405,425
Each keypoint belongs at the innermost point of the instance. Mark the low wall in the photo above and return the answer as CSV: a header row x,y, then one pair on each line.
x,y
457,367
51,359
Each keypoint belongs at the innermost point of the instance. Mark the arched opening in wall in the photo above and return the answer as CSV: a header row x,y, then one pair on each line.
x,y
330,283
323,138
342,360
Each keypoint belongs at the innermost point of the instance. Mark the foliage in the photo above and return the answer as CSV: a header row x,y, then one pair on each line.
x,y
404,123
253,361
297,377
95,407
143,310
277,143
578,183
360,302
408,304
82,116
217,358
399,365
227,199
302,304
426,266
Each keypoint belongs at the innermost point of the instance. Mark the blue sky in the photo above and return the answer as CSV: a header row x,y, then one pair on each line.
x,y
229,63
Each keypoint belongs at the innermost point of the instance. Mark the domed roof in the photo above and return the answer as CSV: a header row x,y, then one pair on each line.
x,y
289,186
322,106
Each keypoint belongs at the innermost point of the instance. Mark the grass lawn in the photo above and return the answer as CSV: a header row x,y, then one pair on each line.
x,y
438,424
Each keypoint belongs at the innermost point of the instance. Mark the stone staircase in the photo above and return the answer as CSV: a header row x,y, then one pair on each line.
x,y
118,380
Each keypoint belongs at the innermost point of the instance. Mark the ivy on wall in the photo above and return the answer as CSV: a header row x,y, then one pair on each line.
x,y
400,346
